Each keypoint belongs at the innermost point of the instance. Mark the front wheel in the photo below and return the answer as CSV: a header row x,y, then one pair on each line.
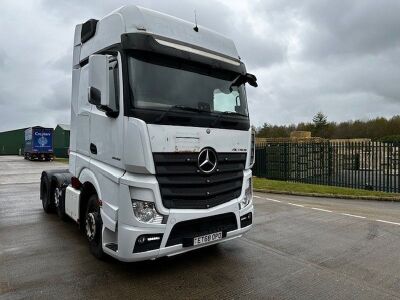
x,y
94,227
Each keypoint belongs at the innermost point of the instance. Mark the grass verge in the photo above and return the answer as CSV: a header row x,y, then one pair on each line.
x,y
285,187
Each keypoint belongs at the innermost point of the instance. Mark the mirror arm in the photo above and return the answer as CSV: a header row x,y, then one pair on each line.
x,y
112,113
109,112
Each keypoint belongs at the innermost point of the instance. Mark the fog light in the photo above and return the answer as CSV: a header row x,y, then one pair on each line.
x,y
246,220
142,239
147,242
248,194
146,212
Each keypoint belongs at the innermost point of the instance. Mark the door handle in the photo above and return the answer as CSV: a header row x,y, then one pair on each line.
x,y
93,148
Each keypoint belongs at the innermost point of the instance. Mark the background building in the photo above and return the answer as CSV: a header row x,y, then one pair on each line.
x,y
61,140
12,142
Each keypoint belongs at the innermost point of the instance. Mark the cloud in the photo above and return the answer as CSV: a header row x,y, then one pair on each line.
x,y
339,57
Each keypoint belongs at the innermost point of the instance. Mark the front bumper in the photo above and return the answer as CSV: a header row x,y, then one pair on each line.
x,y
127,234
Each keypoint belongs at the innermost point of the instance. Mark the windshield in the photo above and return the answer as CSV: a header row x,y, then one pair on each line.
x,y
162,83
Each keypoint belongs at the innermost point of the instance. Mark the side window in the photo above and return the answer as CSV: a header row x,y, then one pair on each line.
x,y
83,103
114,83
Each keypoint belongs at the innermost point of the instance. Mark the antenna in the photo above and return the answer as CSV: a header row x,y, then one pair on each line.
x,y
195,28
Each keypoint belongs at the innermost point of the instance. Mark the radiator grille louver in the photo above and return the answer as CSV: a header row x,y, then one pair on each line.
x,y
183,185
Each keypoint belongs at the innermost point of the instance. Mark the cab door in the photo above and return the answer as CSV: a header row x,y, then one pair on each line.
x,y
106,130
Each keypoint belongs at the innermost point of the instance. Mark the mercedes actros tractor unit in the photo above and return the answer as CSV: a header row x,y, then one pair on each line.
x,y
161,147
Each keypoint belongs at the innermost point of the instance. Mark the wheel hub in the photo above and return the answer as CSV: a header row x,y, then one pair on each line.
x,y
91,226
57,196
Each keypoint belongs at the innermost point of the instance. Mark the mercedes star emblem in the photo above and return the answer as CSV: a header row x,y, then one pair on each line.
x,y
207,160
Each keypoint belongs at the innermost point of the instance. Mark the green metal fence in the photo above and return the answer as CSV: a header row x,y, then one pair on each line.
x,y
361,165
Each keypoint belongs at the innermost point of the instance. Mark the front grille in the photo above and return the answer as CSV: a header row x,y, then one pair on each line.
x,y
183,185
184,232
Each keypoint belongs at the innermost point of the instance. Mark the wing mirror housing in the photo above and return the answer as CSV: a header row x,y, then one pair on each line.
x,y
242,79
99,84
251,79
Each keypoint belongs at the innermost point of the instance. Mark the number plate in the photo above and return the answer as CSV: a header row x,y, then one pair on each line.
x,y
207,238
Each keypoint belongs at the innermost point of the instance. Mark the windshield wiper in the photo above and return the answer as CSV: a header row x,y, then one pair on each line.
x,y
178,107
224,113
189,108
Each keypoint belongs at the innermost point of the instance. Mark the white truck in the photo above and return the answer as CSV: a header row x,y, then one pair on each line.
x,y
161,146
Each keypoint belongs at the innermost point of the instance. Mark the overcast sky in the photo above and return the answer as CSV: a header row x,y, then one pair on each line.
x,y
339,57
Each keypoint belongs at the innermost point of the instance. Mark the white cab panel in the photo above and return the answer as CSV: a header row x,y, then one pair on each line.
x,y
138,156
134,19
192,139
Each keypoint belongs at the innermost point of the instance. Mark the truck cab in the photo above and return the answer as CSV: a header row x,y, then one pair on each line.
x,y
161,146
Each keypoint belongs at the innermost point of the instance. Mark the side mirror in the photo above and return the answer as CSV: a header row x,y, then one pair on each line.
x,y
241,79
99,82
251,79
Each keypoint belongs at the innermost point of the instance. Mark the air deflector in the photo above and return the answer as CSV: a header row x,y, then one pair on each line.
x,y
88,30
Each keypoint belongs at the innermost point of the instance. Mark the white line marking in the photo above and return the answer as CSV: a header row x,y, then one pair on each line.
x,y
298,205
388,222
354,216
273,200
320,209
269,199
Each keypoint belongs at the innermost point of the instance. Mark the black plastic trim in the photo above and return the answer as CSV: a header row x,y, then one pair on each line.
x,y
88,30
246,220
183,186
147,246
184,232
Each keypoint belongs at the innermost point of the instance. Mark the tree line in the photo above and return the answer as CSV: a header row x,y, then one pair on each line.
x,y
378,129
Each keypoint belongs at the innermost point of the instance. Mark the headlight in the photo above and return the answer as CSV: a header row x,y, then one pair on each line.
x,y
146,212
253,148
248,194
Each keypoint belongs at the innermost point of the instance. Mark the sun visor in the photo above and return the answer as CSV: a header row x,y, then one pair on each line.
x,y
170,47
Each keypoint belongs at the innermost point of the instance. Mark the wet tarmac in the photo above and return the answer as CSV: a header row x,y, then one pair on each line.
x,y
299,248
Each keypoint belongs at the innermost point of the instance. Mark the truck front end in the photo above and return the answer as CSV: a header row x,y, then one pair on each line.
x,y
192,118
170,159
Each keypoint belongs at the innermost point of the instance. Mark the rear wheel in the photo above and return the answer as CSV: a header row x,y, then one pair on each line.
x,y
59,202
47,203
94,227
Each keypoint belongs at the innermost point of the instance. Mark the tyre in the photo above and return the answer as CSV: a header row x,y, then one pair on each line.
x,y
59,202
48,205
94,227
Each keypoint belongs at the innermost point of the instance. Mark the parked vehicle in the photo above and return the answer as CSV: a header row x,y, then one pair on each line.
x,y
38,143
161,146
